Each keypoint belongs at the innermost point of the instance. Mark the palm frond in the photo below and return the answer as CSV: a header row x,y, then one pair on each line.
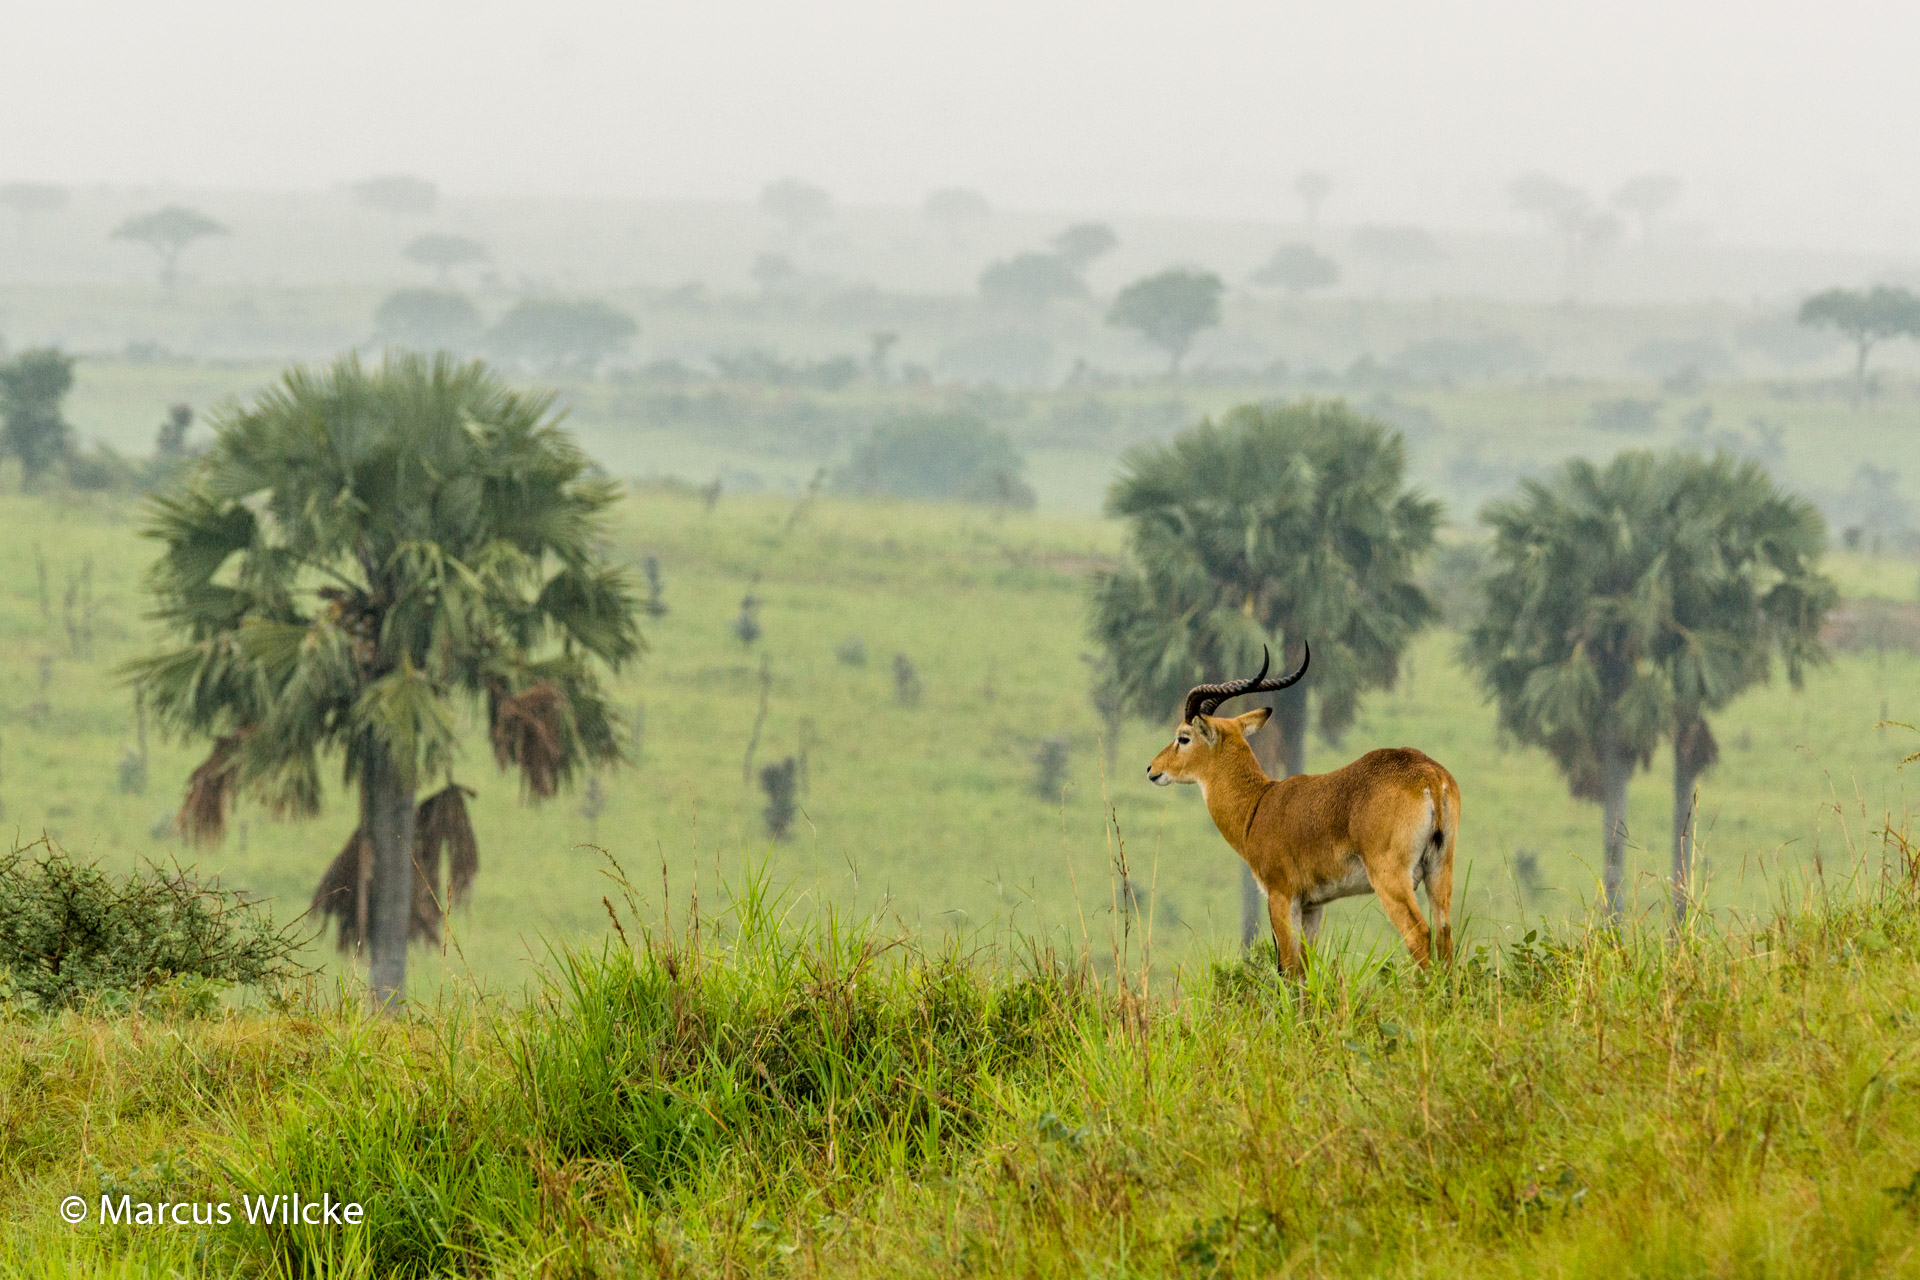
x,y
210,789
345,892
530,733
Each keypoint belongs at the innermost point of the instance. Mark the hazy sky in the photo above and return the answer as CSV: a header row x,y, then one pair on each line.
x,y
1790,122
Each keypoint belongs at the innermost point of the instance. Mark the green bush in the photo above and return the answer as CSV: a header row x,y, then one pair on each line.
x,y
948,457
72,934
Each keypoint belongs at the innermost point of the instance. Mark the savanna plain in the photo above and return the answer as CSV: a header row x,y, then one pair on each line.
x,y
982,1011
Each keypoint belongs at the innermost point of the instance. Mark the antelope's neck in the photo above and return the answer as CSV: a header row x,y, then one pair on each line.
x,y
1233,793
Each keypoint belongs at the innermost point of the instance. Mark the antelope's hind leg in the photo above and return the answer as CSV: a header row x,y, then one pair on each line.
x,y
1440,901
1439,879
1396,899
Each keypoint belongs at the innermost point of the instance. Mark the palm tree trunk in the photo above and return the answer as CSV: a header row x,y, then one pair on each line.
x,y
1281,750
1685,774
387,809
1616,767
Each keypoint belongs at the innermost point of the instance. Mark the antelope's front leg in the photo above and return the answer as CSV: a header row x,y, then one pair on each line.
x,y
1280,913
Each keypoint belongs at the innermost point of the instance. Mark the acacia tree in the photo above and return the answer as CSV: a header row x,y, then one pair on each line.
x,y
1646,197
1277,525
1085,243
168,232
1627,602
29,198
360,552
562,333
796,203
1313,188
1030,280
1867,318
1297,268
1170,309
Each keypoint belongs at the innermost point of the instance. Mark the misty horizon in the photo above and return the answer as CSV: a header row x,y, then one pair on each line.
x,y
1786,123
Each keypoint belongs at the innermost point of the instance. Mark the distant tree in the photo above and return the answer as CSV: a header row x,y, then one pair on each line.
x,y
168,231
1567,213
1170,309
1867,318
1313,188
33,428
171,440
954,209
1627,601
1031,280
427,319
1396,249
1277,525
797,204
363,556
946,457
29,198
397,193
1546,199
1297,268
170,453
1084,243
444,252
557,333
1646,198
774,272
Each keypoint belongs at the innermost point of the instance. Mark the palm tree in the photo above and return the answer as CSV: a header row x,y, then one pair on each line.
x,y
1628,601
361,551
1276,525
1744,587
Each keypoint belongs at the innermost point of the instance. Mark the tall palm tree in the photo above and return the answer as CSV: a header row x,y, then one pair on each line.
x,y
1628,601
1275,525
361,551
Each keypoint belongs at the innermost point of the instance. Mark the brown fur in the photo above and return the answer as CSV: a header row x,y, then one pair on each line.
x,y
1376,826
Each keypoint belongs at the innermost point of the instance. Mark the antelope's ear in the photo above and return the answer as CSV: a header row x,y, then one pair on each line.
x,y
1206,730
1253,719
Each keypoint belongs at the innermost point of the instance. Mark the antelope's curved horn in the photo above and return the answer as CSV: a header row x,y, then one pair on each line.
x,y
1203,698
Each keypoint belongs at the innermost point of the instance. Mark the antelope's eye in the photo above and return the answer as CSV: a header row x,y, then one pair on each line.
x,y
1184,739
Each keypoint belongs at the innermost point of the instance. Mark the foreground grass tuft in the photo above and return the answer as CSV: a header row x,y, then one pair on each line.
x,y
826,1100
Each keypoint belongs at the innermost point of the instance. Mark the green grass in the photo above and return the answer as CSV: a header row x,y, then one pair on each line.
x,y
836,1099
925,812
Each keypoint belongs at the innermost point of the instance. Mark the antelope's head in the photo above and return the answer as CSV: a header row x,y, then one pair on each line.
x,y
1203,737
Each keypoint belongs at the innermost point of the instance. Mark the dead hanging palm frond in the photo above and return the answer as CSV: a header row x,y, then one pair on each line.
x,y
441,826
203,814
346,892
529,733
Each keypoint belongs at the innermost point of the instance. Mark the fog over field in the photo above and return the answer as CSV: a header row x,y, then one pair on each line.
x,y
1790,121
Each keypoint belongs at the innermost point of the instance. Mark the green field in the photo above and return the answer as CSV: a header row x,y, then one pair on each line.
x,y
917,1038
926,813
761,1097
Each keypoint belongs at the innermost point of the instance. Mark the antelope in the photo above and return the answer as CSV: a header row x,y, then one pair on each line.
x,y
1379,825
